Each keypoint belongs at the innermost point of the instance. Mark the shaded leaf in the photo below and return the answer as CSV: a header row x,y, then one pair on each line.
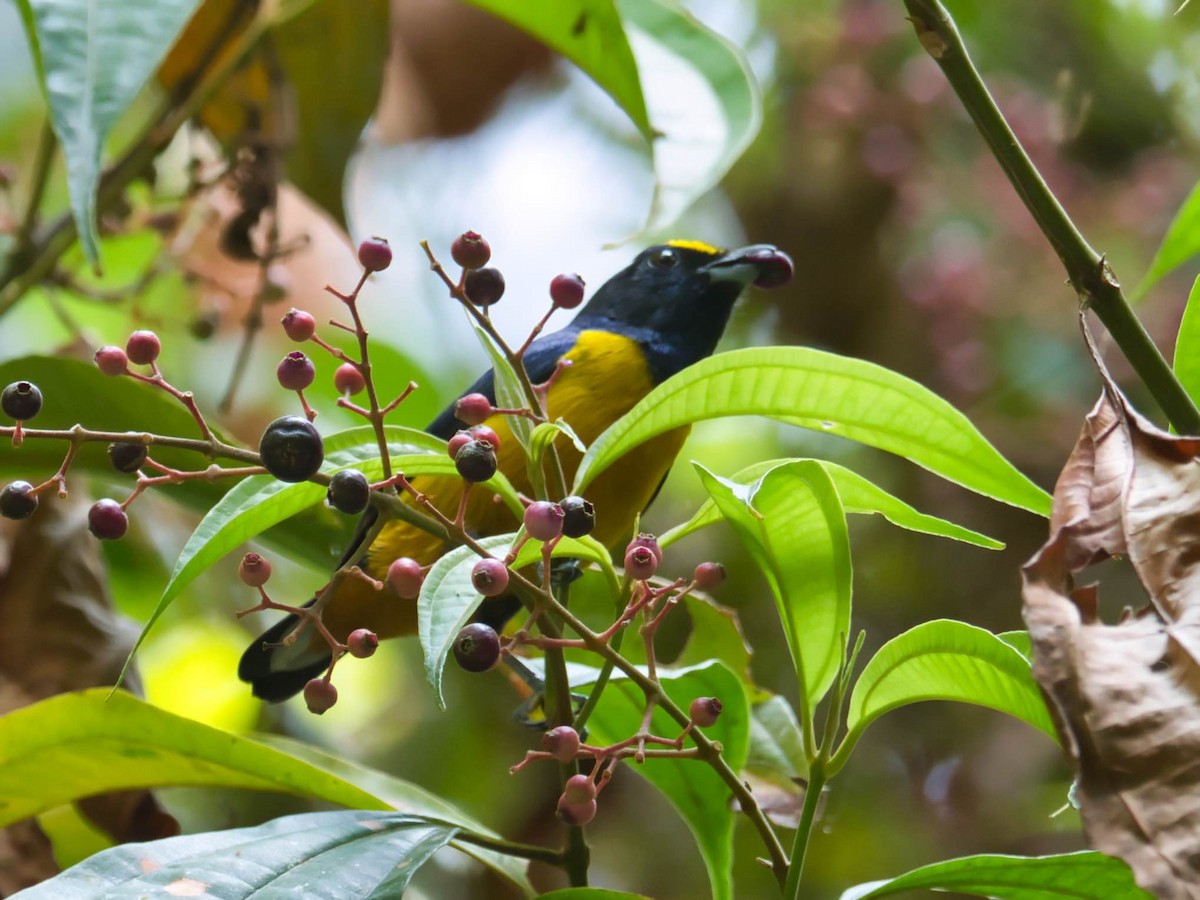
x,y
95,57
776,765
1187,344
591,893
1073,876
350,855
1179,244
827,393
858,495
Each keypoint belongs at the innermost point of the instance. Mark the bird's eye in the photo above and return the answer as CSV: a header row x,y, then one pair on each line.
x,y
665,259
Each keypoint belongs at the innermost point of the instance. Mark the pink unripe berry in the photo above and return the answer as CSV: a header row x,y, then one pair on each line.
x,y
319,696
650,542
362,643
143,347
566,291
705,711
490,577
470,250
562,743
708,575
404,577
458,441
641,562
579,789
348,379
544,520
107,521
375,254
473,409
485,433
299,325
575,813
111,360
295,371
254,570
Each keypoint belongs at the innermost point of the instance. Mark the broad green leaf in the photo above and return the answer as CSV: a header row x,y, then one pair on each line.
x,y
406,797
79,744
95,57
858,496
946,660
692,787
590,893
352,855
1181,243
510,395
1019,641
776,744
544,435
1072,876
590,34
704,103
792,523
827,393
1187,343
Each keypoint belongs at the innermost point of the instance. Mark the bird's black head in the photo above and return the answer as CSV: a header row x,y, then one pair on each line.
x,y
678,296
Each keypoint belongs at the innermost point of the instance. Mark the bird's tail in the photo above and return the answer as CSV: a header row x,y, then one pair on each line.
x,y
276,672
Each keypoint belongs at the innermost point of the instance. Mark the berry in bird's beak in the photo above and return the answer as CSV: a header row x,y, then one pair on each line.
x,y
762,265
774,267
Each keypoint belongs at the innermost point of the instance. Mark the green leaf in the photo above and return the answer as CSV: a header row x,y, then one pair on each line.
x,y
1019,641
827,393
510,395
80,744
705,105
792,523
946,660
776,745
590,893
1076,876
590,34
1179,244
858,496
693,788
1187,343
349,854
95,58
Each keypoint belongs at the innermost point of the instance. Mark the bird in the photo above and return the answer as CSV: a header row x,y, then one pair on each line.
x,y
665,311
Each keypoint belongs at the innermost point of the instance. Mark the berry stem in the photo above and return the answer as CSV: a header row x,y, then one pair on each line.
x,y
184,397
253,322
332,350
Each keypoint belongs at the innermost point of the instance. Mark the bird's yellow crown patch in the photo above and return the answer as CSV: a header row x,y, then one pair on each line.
x,y
696,245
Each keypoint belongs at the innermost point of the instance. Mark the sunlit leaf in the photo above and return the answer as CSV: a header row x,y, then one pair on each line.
x,y
1187,344
827,393
776,745
792,523
1072,876
1179,244
95,57
858,495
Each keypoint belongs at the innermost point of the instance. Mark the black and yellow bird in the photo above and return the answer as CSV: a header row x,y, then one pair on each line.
x,y
665,311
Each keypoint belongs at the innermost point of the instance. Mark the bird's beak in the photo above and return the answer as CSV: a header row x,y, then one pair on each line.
x,y
762,265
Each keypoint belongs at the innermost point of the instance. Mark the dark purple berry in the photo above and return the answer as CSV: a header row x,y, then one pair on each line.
x,y
299,325
484,287
705,711
107,521
21,401
775,269
319,696
111,360
127,457
566,291
254,570
575,814
470,250
349,491
17,500
362,643
458,441
490,577
473,409
143,347
295,371
708,575
561,742
476,461
579,517
477,647
348,379
650,542
291,449
375,254
486,433
404,577
544,520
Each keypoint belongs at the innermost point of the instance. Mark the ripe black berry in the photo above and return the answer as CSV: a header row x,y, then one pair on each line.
x,y
476,461
319,696
484,287
566,291
127,457
299,325
21,401
544,520
477,647
375,254
490,577
579,517
295,371
17,500
349,491
470,250
143,347
107,521
291,449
